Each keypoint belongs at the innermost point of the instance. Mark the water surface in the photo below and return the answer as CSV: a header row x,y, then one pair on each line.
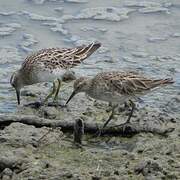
x,y
136,35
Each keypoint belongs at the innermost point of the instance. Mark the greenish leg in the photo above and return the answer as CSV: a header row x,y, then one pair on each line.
x,y
111,116
51,93
57,91
100,132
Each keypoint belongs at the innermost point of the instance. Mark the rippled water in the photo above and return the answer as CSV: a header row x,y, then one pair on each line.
x,y
138,35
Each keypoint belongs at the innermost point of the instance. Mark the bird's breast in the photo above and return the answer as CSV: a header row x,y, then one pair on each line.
x,y
104,94
47,75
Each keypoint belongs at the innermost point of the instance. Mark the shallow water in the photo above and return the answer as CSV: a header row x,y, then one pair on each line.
x,y
136,35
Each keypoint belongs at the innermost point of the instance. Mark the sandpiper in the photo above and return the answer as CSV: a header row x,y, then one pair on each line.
x,y
117,87
48,65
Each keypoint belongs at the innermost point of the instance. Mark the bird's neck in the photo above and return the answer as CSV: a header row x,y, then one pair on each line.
x,y
88,87
21,78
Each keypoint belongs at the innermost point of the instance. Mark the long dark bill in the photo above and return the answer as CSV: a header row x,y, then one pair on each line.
x,y
72,95
18,96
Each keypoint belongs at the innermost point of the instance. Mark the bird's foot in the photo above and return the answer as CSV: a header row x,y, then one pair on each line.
x,y
44,103
55,102
127,126
99,132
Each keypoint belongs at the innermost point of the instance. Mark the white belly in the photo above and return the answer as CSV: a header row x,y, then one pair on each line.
x,y
109,97
47,76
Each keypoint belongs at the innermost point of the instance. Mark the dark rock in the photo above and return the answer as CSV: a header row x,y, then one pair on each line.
x,y
6,174
147,167
116,172
49,112
96,178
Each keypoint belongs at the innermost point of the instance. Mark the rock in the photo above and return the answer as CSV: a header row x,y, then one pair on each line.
x,y
6,174
116,172
147,167
106,173
96,178
62,175
37,90
28,93
11,160
49,112
21,134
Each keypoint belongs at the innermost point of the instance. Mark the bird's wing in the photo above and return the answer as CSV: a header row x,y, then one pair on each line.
x,y
131,83
60,58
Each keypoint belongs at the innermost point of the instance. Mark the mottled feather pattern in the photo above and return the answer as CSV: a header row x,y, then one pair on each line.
x,y
127,83
53,58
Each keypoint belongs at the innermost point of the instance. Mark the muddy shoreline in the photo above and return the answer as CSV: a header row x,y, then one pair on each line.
x,y
25,154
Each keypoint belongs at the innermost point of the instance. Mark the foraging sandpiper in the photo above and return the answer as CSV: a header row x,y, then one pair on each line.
x,y
117,87
47,65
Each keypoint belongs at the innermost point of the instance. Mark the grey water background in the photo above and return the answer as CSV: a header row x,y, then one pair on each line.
x,y
136,35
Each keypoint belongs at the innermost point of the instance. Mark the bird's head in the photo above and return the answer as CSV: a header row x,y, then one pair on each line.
x,y
80,85
16,82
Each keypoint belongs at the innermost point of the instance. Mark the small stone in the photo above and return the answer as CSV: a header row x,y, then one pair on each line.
x,y
31,178
96,178
7,174
68,175
49,112
146,167
106,173
116,172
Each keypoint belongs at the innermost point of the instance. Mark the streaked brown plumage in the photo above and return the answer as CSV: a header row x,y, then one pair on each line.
x,y
64,58
49,64
117,87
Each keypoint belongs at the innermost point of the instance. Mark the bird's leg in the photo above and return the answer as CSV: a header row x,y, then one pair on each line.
x,y
51,93
108,120
110,117
128,123
57,91
131,113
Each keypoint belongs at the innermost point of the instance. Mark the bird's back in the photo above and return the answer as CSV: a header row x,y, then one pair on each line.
x,y
113,85
57,58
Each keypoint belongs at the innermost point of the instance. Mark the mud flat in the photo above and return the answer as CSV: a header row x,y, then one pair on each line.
x,y
38,151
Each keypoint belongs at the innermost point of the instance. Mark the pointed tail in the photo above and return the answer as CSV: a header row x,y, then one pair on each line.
x,y
159,82
85,51
92,48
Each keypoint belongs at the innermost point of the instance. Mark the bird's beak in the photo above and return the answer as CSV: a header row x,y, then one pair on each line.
x,y
72,95
18,96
